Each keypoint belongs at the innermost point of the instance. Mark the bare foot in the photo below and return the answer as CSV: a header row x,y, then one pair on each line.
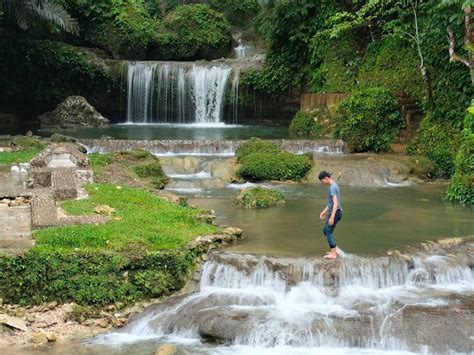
x,y
330,255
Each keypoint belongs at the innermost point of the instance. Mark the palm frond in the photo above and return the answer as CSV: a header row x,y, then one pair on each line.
x,y
51,10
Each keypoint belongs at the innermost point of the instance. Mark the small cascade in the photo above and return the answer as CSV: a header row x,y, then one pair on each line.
x,y
176,93
140,88
262,303
207,147
240,50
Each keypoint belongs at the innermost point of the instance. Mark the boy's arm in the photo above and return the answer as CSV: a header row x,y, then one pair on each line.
x,y
322,215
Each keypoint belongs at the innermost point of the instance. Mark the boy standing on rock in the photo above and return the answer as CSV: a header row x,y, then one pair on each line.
x,y
332,213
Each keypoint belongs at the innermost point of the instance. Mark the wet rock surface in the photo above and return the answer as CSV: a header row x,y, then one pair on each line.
x,y
406,299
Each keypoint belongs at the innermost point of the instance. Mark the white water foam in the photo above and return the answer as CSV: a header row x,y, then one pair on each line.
x,y
307,306
202,175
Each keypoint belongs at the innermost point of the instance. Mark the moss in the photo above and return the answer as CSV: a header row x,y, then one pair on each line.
x,y
258,197
136,167
305,124
154,172
255,145
270,166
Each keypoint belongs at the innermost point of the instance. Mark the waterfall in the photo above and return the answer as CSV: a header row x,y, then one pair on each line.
x,y
141,79
209,86
184,93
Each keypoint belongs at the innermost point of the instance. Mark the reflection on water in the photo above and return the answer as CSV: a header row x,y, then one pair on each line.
x,y
374,219
179,132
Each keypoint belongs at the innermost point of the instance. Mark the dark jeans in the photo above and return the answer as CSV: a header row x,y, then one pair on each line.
x,y
328,230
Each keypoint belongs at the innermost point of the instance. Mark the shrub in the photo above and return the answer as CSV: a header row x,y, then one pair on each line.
x,y
368,120
271,166
192,32
305,124
91,278
461,189
258,197
255,145
439,142
122,28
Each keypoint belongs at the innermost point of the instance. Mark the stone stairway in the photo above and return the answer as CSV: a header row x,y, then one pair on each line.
x,y
412,115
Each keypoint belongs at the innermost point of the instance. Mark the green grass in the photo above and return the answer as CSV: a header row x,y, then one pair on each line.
x,y
145,220
28,148
22,156
98,161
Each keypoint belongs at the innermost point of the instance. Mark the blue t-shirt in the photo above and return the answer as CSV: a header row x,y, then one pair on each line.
x,y
334,191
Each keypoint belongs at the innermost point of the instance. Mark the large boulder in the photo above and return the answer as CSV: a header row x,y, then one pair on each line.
x,y
74,112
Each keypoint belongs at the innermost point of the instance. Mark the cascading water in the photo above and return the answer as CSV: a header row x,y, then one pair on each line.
x,y
140,88
266,305
235,96
184,94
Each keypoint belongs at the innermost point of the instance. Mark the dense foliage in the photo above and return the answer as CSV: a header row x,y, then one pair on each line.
x,y
368,120
46,71
192,32
258,197
461,189
304,124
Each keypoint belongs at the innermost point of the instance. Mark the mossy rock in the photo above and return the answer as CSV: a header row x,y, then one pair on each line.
x,y
255,145
134,168
258,197
270,166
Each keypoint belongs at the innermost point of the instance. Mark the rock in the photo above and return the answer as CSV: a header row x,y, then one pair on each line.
x,y
103,323
73,113
104,209
52,305
20,312
30,317
51,337
39,338
13,322
166,349
233,231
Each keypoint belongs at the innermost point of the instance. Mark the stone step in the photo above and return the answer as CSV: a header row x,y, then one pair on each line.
x,y
64,183
44,212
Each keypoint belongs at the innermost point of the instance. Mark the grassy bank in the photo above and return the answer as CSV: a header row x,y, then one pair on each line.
x,y
24,149
140,253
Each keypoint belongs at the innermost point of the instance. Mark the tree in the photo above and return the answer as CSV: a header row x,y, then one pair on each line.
x,y
25,11
468,60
